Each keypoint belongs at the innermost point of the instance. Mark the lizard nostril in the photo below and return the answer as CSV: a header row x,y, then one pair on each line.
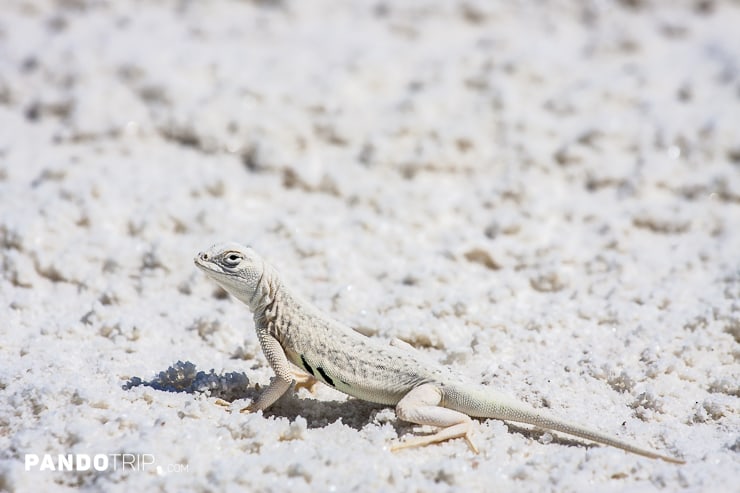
x,y
204,256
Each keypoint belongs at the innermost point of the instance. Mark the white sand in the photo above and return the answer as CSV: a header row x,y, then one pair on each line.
x,y
546,198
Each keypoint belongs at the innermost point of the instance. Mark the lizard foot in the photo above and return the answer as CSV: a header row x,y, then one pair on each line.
x,y
246,410
460,430
227,405
304,381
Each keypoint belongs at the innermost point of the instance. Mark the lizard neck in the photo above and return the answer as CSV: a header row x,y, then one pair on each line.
x,y
263,300
277,304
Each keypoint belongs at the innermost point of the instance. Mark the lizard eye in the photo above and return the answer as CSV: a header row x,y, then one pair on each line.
x,y
232,259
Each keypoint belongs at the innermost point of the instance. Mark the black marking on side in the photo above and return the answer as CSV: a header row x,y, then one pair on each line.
x,y
308,367
326,377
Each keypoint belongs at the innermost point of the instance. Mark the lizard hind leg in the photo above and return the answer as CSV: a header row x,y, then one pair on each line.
x,y
421,406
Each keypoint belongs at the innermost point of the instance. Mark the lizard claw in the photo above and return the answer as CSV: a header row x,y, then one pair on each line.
x,y
227,405
222,403
470,443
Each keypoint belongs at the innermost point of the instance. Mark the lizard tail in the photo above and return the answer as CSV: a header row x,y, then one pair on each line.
x,y
484,403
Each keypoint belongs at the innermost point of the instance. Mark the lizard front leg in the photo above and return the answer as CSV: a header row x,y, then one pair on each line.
x,y
421,406
283,373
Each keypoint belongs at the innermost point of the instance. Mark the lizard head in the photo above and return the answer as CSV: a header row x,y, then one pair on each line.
x,y
237,269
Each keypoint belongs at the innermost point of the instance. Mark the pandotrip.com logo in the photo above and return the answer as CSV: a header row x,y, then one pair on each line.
x,y
100,463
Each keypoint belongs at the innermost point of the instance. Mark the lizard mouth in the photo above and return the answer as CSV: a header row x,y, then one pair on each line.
x,y
213,269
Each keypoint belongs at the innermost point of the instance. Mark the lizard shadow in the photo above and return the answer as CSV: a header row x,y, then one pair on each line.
x,y
355,413
538,433
184,377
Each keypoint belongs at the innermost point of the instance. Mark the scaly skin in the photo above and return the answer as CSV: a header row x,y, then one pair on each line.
x,y
293,333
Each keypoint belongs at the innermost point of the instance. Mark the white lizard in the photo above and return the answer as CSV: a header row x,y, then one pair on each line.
x,y
292,331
